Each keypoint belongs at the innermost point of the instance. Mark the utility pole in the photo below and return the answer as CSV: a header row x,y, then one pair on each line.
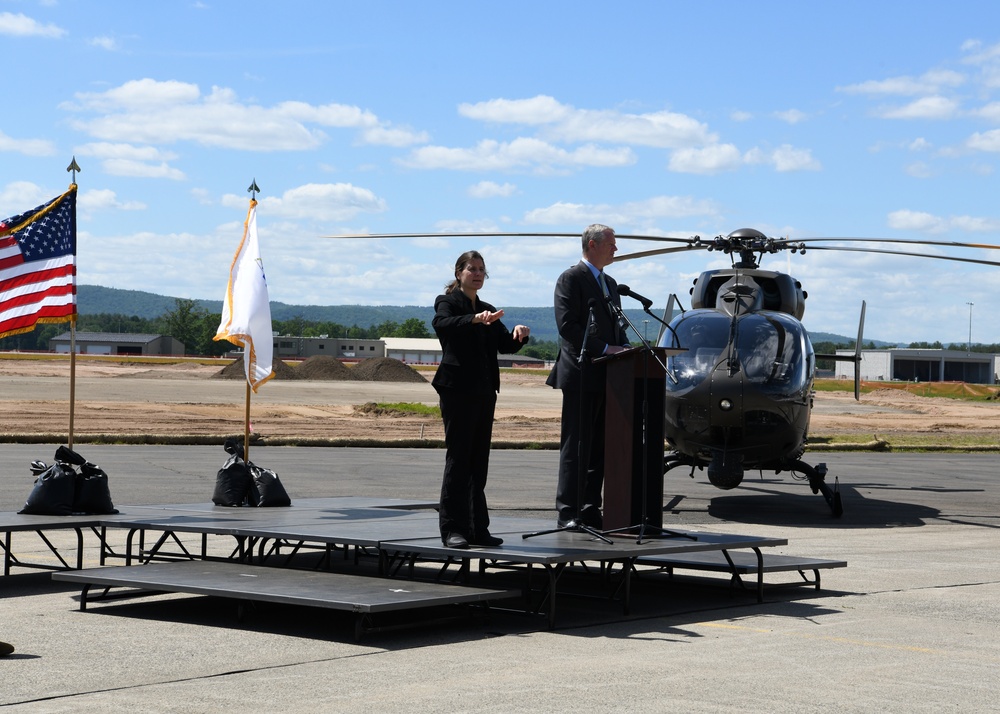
x,y
969,347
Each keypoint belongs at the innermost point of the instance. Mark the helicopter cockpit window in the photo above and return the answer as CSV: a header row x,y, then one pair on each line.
x,y
704,335
770,349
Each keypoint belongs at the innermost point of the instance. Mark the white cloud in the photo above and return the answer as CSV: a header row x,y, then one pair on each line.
x,y
148,111
919,144
106,199
935,107
537,110
104,42
916,221
990,112
929,83
929,223
792,116
564,123
107,150
788,158
519,154
627,214
137,161
741,116
141,169
23,26
709,160
28,147
974,224
459,226
491,189
317,202
18,196
918,169
985,141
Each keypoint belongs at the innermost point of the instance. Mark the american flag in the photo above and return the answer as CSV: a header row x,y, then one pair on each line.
x,y
38,266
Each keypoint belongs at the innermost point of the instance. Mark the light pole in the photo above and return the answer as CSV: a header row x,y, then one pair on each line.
x,y
969,347
645,327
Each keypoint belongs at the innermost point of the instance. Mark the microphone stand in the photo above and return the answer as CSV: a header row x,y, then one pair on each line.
x,y
577,525
644,515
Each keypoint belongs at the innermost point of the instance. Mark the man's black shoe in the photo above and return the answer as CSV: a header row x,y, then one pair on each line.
x,y
486,539
565,522
5,649
455,540
592,518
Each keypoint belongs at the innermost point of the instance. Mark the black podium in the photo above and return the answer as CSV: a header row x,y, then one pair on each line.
x,y
636,382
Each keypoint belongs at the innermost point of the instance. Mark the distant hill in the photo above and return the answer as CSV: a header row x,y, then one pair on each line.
x,y
95,300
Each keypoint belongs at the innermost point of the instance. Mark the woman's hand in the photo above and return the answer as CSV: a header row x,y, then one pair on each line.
x,y
486,317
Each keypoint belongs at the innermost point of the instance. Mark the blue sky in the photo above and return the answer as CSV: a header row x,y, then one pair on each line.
x,y
663,118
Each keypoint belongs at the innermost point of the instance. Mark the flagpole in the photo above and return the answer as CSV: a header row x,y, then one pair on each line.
x,y
246,426
72,169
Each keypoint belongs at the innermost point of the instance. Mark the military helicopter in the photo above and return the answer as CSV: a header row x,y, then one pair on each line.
x,y
739,393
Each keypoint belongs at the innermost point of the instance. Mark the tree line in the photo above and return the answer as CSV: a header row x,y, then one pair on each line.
x,y
195,327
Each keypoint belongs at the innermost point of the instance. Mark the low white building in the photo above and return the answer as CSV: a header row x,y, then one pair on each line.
x,y
117,343
922,365
413,350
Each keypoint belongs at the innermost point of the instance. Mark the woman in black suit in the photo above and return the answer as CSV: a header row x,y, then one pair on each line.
x,y
467,382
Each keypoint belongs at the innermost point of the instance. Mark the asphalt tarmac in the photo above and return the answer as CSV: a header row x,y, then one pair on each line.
x,y
911,625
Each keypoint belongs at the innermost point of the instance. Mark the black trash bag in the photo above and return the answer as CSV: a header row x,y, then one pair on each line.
x,y
68,456
233,482
92,492
266,489
54,491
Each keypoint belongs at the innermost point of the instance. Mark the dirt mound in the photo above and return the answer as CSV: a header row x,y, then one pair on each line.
x,y
324,367
235,370
385,369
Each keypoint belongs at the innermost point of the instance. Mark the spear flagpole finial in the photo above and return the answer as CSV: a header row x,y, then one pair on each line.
x,y
253,190
73,167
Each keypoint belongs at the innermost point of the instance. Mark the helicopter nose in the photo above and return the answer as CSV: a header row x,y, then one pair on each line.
x,y
727,399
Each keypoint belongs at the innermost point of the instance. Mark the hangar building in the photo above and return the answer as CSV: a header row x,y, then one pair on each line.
x,y
922,365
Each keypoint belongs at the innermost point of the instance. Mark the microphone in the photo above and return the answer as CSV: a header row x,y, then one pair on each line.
x,y
626,290
591,324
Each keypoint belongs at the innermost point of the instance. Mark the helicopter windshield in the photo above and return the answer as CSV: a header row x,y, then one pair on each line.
x,y
704,334
771,349
774,352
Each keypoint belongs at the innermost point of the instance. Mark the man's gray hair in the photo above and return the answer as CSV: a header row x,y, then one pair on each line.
x,y
595,232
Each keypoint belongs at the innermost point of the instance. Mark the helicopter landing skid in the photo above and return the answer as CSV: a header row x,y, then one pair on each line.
x,y
817,482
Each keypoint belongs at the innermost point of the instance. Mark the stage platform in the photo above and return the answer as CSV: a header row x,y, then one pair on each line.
x,y
363,596
396,539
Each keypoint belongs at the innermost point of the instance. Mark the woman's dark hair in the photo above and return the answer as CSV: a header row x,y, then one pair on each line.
x,y
460,264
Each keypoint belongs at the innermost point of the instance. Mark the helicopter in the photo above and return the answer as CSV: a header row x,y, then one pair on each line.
x,y
740,379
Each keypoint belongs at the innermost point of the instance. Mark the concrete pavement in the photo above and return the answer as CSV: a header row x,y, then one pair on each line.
x,y
911,625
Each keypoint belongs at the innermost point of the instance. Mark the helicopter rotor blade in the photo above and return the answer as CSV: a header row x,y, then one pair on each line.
x,y
658,251
946,244
900,252
355,236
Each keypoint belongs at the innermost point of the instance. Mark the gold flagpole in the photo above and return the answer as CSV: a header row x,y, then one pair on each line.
x,y
246,424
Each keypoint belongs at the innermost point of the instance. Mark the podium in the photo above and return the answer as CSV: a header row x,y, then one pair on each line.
x,y
635,380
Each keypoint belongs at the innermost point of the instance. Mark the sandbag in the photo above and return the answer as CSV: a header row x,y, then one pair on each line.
x,y
93,495
243,483
54,491
266,489
232,483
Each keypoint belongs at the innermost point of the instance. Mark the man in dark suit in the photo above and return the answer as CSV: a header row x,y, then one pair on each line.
x,y
586,323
